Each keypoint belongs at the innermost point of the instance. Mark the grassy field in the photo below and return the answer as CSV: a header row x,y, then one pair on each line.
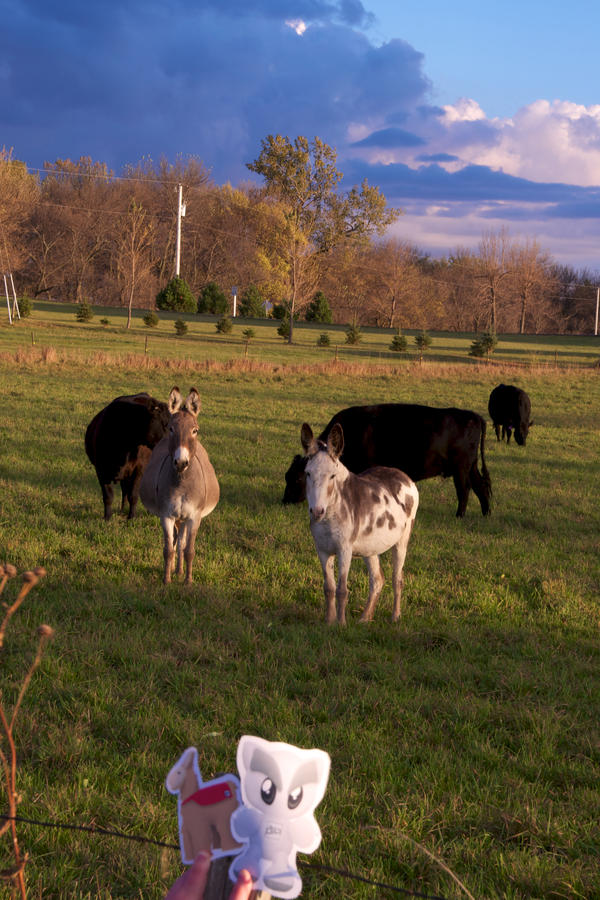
x,y
471,728
55,325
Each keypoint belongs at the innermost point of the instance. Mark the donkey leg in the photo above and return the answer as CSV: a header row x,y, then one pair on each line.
x,y
376,582
398,557
327,564
169,532
189,552
341,593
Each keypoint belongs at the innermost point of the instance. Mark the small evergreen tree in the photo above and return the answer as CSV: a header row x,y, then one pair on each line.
x,y
423,342
323,340
399,343
224,325
279,311
213,300
353,334
177,296
252,303
25,306
84,312
484,345
150,319
180,327
319,310
104,322
284,328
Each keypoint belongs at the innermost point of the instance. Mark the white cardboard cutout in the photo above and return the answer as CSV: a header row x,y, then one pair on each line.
x,y
204,809
281,786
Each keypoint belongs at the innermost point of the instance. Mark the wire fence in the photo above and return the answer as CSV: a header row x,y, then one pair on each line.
x,y
141,839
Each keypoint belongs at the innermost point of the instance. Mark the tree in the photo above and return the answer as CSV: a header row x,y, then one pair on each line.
x,y
319,310
484,345
252,303
399,342
532,282
397,284
302,177
176,295
212,299
133,248
423,343
495,265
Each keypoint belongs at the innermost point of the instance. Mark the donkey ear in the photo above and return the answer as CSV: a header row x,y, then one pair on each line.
x,y
307,439
335,441
192,402
175,400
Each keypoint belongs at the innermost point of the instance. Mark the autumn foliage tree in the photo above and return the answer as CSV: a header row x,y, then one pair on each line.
x,y
303,178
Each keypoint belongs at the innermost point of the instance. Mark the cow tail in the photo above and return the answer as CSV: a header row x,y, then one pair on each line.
x,y
487,481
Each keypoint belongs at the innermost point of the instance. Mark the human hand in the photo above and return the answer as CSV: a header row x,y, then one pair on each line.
x,y
191,885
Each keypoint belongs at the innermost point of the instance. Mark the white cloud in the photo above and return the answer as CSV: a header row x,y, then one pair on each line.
x,y
296,25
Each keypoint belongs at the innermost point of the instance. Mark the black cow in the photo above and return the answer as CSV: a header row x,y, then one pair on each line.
x,y
510,408
119,441
420,440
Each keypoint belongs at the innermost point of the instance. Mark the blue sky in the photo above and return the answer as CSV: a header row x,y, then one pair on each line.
x,y
469,116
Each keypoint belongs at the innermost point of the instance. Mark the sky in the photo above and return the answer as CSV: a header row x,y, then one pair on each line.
x,y
470,116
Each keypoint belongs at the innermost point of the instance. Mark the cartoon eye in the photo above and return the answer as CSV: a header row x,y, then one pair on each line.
x,y
295,798
268,791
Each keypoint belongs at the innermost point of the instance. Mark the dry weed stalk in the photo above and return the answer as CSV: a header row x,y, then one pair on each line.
x,y
15,874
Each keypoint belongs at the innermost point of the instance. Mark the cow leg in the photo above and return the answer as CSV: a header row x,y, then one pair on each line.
x,y
327,564
169,539
481,489
341,593
376,582
124,494
461,483
134,490
107,498
497,430
508,433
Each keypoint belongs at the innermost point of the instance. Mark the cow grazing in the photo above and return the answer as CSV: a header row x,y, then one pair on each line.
x,y
510,408
420,440
356,515
179,484
118,442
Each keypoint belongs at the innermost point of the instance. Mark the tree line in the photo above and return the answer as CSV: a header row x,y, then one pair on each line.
x,y
294,245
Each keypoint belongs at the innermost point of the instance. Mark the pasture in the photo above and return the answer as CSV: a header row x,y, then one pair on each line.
x,y
471,726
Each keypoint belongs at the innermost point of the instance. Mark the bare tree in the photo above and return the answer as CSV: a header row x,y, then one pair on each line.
x,y
133,243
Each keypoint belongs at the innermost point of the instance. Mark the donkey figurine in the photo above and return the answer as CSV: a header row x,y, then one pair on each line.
x,y
204,809
356,515
179,483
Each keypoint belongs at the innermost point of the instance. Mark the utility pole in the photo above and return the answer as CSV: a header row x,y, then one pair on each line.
x,y
597,305
180,214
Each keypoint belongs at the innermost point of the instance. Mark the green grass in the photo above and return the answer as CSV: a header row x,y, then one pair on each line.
x,y
472,727
54,325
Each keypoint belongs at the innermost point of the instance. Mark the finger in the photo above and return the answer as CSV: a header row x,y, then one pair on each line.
x,y
243,886
190,886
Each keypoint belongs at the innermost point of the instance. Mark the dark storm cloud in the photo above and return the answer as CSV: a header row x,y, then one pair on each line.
x,y
118,81
121,81
475,185
390,138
